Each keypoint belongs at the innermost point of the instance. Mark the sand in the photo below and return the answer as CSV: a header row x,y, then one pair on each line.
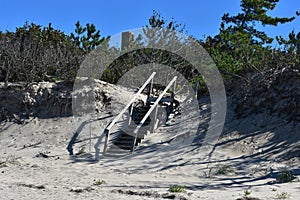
x,y
248,158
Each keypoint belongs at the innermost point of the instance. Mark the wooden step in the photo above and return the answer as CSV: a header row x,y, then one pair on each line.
x,y
116,152
123,147
123,142
125,137
115,148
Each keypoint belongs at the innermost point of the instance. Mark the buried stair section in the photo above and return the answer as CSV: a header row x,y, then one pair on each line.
x,y
124,141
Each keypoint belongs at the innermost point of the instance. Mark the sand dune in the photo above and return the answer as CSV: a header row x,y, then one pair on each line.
x,y
248,157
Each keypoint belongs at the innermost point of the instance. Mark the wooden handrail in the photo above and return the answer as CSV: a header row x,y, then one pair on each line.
x,y
107,129
135,132
130,102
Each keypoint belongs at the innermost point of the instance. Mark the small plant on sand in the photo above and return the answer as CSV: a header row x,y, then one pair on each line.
x,y
209,173
248,198
81,151
285,176
247,193
11,159
99,182
283,195
177,189
224,169
2,164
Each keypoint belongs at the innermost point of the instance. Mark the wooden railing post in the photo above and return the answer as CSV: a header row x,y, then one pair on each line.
x,y
155,118
150,88
130,114
106,132
173,90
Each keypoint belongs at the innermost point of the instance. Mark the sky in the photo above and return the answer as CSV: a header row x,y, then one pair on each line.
x,y
200,17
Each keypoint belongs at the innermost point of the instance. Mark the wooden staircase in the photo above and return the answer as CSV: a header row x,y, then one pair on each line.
x,y
124,142
139,123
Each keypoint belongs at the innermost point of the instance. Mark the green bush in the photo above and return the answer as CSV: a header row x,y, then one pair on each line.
x,y
283,195
177,189
285,176
99,182
34,53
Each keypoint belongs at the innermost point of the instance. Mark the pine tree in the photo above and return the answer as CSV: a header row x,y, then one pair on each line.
x,y
88,37
240,46
254,12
